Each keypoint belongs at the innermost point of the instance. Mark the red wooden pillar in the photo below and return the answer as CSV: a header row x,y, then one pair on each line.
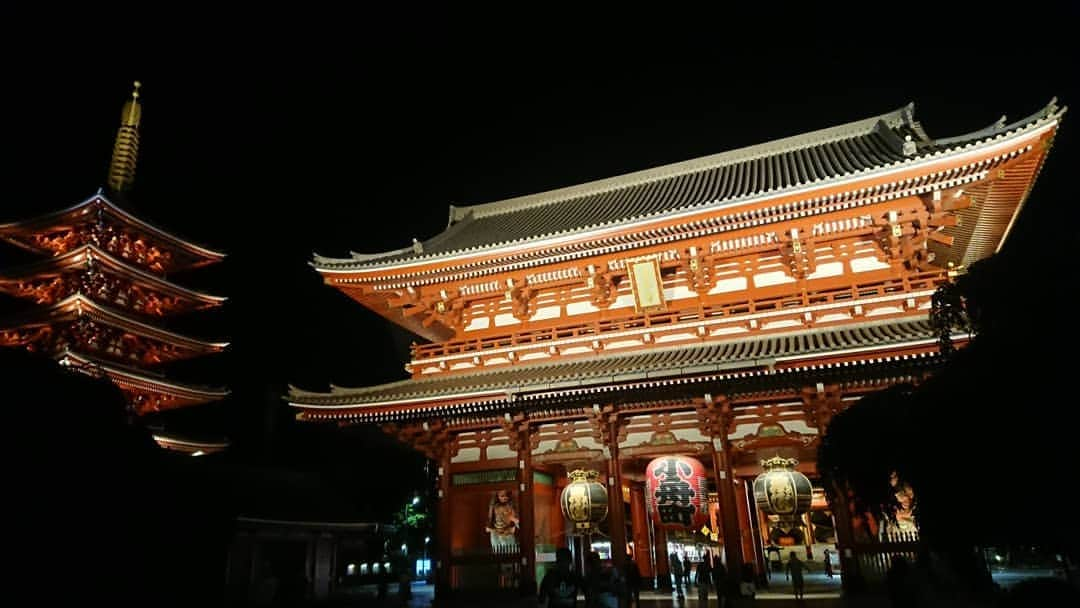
x,y
753,551
639,523
729,514
443,586
528,512
845,540
747,525
616,510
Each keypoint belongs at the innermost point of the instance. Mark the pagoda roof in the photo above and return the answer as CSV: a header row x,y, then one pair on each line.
x,y
727,359
135,379
187,445
77,258
785,166
72,307
71,215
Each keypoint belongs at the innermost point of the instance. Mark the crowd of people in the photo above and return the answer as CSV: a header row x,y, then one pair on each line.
x,y
605,586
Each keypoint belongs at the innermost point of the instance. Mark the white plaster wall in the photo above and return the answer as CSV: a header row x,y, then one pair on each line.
x,y
547,312
776,277
867,263
830,269
675,337
506,319
833,316
884,310
679,292
636,438
799,426
500,451
689,434
478,323
726,285
781,323
579,308
467,455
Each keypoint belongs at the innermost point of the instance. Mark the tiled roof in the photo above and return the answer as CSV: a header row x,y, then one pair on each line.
x,y
656,364
195,255
713,181
73,307
148,379
77,259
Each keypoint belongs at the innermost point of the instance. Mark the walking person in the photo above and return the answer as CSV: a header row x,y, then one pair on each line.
x,y
560,586
687,569
828,564
704,579
632,575
676,566
604,585
720,581
794,571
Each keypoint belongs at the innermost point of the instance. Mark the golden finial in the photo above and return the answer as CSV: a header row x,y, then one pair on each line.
x,y
132,110
126,150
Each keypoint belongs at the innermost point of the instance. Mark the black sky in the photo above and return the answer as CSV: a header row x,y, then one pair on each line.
x,y
271,150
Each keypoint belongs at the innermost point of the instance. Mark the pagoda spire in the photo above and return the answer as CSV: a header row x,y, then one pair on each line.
x,y
126,150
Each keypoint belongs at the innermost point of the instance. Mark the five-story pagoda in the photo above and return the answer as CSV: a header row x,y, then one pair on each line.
x,y
101,293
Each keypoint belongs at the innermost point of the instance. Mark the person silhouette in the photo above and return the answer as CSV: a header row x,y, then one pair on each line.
x,y
632,575
676,573
794,571
704,579
720,580
560,586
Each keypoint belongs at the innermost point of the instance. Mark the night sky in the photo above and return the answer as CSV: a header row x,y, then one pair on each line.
x,y
270,153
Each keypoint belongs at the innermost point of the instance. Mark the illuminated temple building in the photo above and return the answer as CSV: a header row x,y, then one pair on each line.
x,y
98,295
723,308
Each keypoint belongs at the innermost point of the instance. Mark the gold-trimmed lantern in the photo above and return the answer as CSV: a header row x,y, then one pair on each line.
x,y
585,500
783,491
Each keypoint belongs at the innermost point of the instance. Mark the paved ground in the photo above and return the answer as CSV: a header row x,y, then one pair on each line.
x,y
821,592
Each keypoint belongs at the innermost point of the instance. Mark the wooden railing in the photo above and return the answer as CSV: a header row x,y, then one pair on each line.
x,y
875,559
540,335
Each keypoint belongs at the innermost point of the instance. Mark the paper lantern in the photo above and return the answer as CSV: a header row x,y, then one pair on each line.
x,y
783,491
585,501
677,493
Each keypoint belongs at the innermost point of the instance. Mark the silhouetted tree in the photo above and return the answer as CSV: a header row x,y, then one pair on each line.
x,y
987,442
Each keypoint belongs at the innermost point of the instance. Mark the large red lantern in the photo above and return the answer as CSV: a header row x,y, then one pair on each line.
x,y
677,494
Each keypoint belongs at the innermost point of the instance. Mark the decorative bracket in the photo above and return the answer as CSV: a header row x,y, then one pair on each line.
x,y
820,404
430,437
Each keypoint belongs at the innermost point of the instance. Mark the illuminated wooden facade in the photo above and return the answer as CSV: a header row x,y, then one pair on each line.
x,y
724,308
101,290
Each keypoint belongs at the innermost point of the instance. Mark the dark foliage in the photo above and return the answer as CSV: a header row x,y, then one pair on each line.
x,y
865,444
989,441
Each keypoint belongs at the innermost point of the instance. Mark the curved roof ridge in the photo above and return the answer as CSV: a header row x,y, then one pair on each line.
x,y
150,375
878,143
123,213
1001,125
108,258
297,394
864,126
109,314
